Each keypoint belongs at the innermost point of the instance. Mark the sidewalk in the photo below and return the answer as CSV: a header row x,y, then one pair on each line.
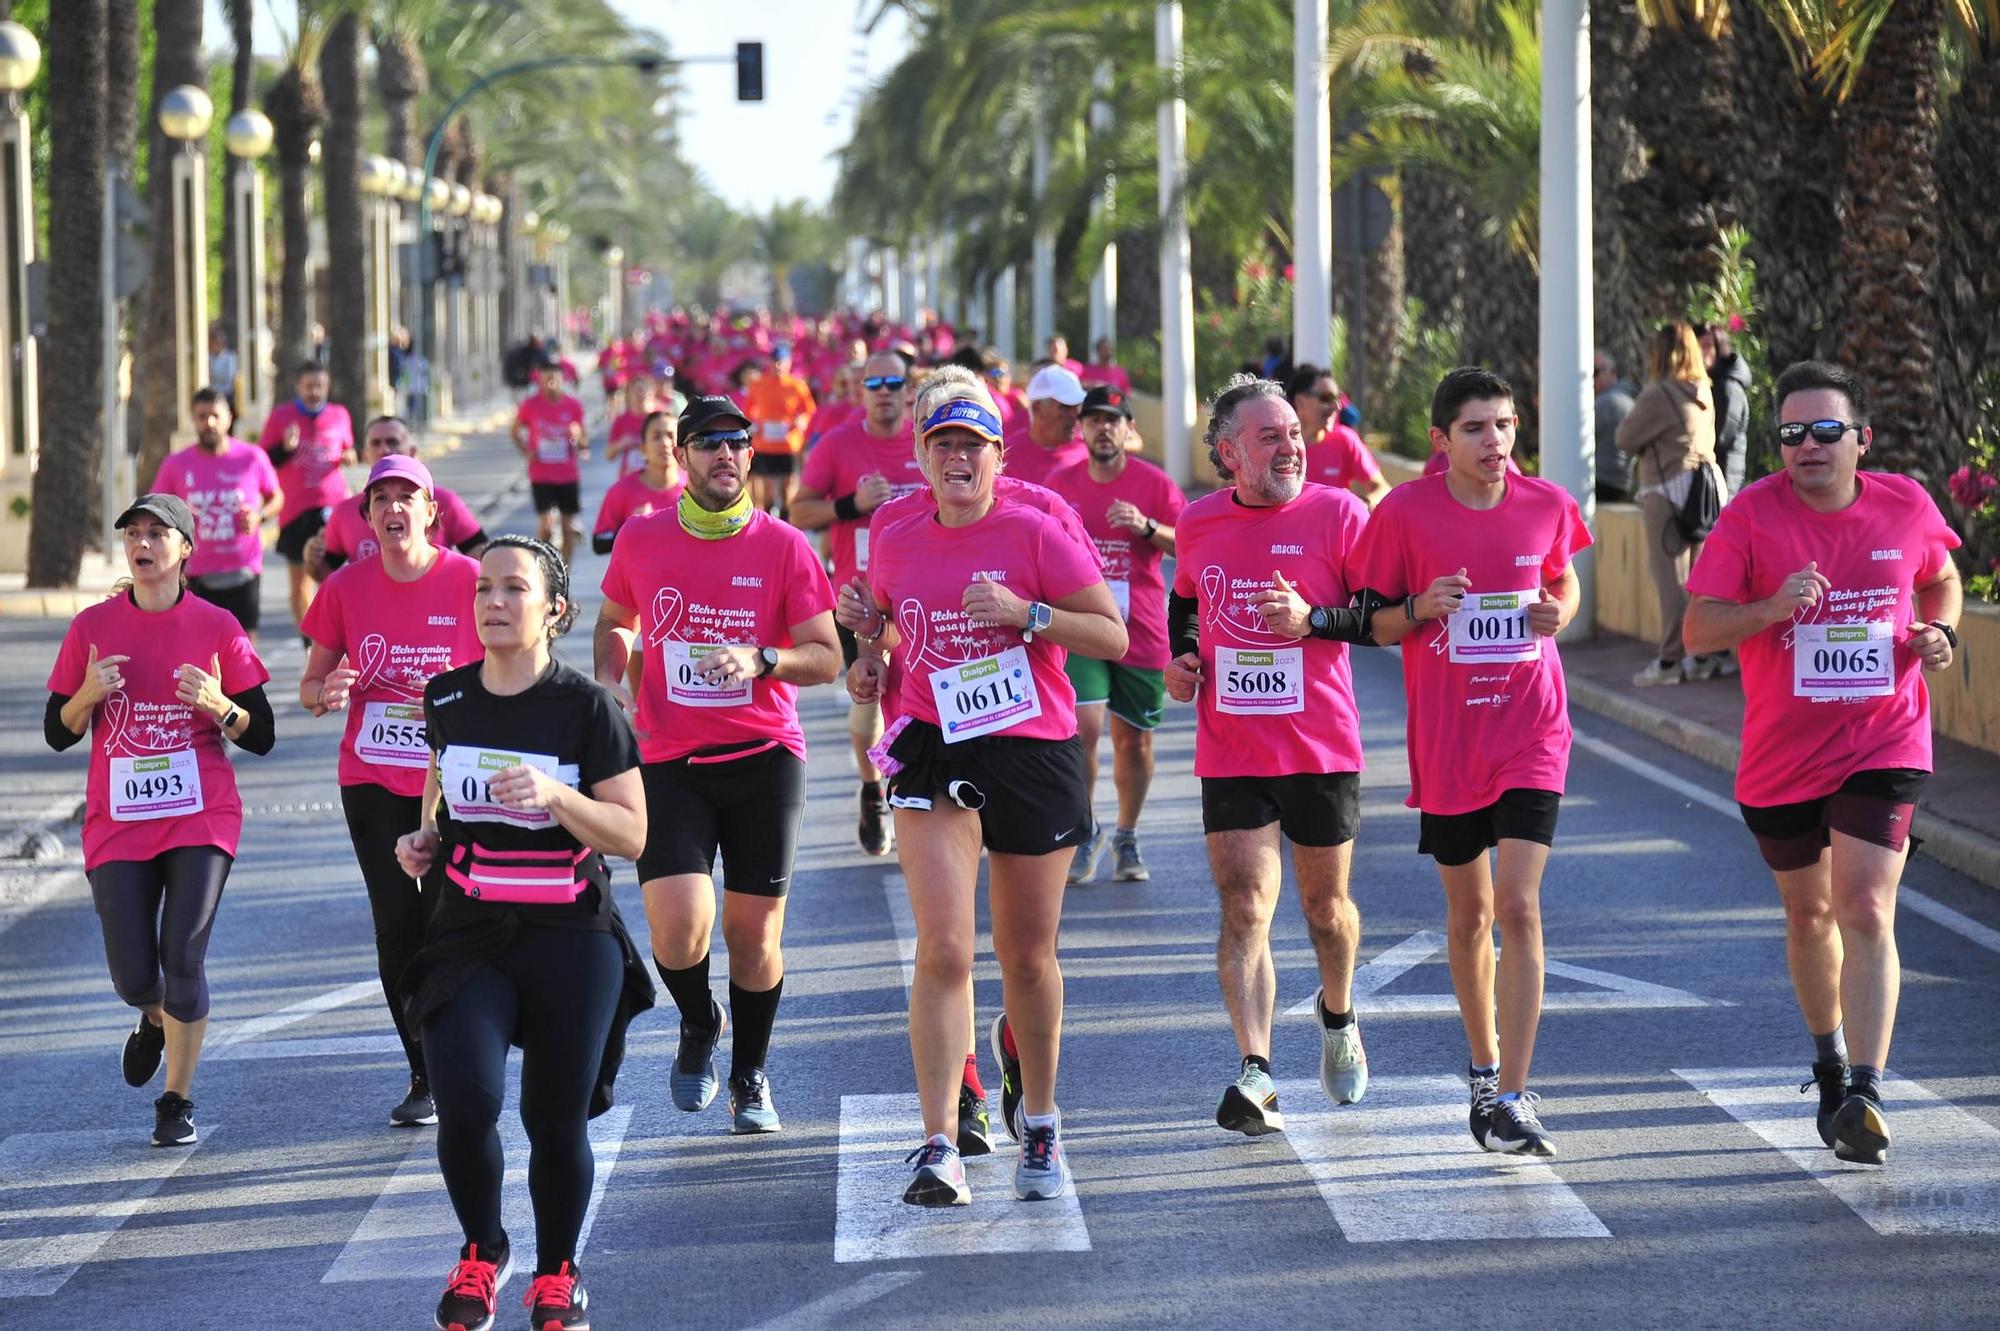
x,y
1961,806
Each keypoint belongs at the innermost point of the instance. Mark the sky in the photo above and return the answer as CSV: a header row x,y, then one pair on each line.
x,y
815,66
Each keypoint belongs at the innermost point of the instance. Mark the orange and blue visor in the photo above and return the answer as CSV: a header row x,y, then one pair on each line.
x,y
963,415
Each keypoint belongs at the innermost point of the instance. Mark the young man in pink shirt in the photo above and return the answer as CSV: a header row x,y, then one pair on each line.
x,y
548,429
1471,572
309,440
232,490
1837,589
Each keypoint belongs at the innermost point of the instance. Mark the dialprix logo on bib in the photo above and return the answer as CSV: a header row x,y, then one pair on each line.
x,y
159,764
1256,658
495,762
980,669
1501,601
1847,633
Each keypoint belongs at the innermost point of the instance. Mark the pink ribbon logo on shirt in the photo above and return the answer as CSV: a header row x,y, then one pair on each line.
x,y
1247,629
666,615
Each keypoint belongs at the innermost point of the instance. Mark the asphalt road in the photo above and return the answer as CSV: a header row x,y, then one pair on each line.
x,y
1691,1190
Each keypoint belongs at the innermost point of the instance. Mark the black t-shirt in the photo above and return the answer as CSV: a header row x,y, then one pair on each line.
x,y
564,723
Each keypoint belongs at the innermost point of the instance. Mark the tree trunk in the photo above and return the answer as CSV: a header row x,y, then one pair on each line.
x,y
1382,320
176,60
242,90
401,77
346,236
1674,211
121,116
64,488
1617,160
296,108
1969,280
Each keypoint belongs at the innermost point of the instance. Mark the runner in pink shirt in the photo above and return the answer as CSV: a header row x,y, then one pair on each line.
x,y
1259,626
1129,507
1105,369
849,475
982,601
624,444
159,679
1335,454
732,612
1471,572
842,405
548,429
380,628
1048,442
348,536
232,490
309,440
1838,590
655,487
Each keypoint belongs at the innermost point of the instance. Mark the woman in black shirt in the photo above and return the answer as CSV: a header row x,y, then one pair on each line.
x,y
538,773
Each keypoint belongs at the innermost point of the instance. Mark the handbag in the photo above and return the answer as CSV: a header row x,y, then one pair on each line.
x,y
1698,511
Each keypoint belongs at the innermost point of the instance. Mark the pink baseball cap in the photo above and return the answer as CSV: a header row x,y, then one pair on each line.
x,y
398,466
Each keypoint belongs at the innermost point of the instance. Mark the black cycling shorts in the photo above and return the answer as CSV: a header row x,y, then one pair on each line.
x,y
556,494
292,537
773,464
1029,793
745,801
1520,814
239,598
1310,808
1875,805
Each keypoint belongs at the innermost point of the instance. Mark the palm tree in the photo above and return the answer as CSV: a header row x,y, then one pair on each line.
x,y
121,124
296,106
177,59
63,490
346,237
400,74
242,92
788,235
1968,170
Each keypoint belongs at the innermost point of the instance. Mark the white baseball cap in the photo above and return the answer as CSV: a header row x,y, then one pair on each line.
x,y
1057,382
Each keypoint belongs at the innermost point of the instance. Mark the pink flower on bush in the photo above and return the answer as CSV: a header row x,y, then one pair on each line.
x,y
1291,273
1255,271
1737,323
1971,489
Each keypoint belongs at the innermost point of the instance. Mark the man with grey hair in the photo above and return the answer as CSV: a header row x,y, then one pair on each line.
x,y
1259,623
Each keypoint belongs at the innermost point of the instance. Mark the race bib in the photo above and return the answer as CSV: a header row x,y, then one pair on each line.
x,y
467,773
160,785
392,735
776,432
685,685
984,696
861,549
1121,594
1493,626
1844,661
1260,682
551,447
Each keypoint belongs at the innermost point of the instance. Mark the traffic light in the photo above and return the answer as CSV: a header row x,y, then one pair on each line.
x,y
749,71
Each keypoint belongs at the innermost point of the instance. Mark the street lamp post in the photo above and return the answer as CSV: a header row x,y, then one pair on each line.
x,y
458,229
614,291
378,178
1312,188
557,234
185,113
1104,282
431,305
1569,420
1176,282
249,135
20,59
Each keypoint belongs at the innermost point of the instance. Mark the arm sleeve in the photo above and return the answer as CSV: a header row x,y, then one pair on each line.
x,y
262,733
1349,623
1183,639
600,542
58,735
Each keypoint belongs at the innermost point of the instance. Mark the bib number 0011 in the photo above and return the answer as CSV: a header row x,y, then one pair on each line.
x,y
1493,626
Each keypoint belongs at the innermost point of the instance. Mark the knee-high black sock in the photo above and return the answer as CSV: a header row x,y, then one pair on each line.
x,y
755,1014
689,988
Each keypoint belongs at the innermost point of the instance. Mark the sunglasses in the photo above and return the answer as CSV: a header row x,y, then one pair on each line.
x,y
710,443
1793,433
996,375
878,383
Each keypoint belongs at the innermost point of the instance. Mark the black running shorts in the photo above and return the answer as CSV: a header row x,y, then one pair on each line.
x,y
1310,808
560,495
744,801
1876,805
1028,793
773,464
292,537
237,595
1520,814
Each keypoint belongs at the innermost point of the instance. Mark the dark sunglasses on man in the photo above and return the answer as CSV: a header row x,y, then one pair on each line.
x,y
878,383
1793,433
739,440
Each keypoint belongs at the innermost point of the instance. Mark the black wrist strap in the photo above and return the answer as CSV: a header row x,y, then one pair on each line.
x,y
847,510
1950,633
1340,623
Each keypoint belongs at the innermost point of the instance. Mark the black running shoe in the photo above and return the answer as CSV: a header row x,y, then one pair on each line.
x,y
417,1109
473,1288
143,1048
557,1302
874,828
1009,1060
1830,1076
1861,1131
173,1121
693,1080
1516,1128
1485,1090
975,1125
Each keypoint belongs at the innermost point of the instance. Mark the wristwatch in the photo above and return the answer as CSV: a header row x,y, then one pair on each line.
x,y
230,719
767,658
1319,622
1040,616
1151,527
1950,634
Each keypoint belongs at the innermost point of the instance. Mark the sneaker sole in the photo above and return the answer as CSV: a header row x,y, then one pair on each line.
x,y
1862,1137
1354,1097
188,1140
429,1120
972,1142
1132,876
1040,1192
1000,1057
1541,1147
742,1127
1239,1113
936,1193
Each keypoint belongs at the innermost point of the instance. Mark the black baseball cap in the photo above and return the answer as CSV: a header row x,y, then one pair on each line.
x,y
1107,399
700,415
170,509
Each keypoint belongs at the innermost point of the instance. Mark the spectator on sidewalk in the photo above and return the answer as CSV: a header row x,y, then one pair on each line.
x,y
1729,381
1615,396
1669,434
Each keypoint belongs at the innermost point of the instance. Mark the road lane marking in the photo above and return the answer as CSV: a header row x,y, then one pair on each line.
x,y
897,895
872,1223
411,1231
1400,1167
114,1166
330,1047
1614,992
1943,1175
258,1027
1938,913
830,1310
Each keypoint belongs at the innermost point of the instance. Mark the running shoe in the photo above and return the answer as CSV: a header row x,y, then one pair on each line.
x,y
472,1289
1703,668
1343,1064
1861,1131
173,1121
418,1109
143,1048
1083,868
557,1302
1830,1076
874,828
1042,1172
1009,1059
1127,866
940,1179
1516,1129
750,1106
1659,672
975,1127
1485,1090
693,1080
1250,1104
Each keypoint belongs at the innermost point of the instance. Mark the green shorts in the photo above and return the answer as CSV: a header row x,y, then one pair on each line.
x,y
1137,696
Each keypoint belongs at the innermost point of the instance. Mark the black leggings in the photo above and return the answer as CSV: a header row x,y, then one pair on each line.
x,y
375,819
553,991
156,915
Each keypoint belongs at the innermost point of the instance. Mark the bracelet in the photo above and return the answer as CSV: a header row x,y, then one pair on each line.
x,y
1410,608
319,702
876,636
846,509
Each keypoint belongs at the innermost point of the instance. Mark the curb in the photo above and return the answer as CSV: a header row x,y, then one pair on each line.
x,y
1954,845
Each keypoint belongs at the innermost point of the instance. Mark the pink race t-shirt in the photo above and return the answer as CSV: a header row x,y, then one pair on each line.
x,y
835,467
1028,461
1807,728
1113,375
630,497
397,635
158,777
830,417
1492,720
1340,459
311,477
348,535
920,571
747,590
1269,705
218,488
1131,562
629,425
551,452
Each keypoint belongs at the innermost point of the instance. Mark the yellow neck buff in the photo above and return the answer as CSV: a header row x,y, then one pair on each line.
x,y
704,525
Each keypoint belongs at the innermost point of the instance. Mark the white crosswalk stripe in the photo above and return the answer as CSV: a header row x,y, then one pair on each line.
x,y
85,1185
